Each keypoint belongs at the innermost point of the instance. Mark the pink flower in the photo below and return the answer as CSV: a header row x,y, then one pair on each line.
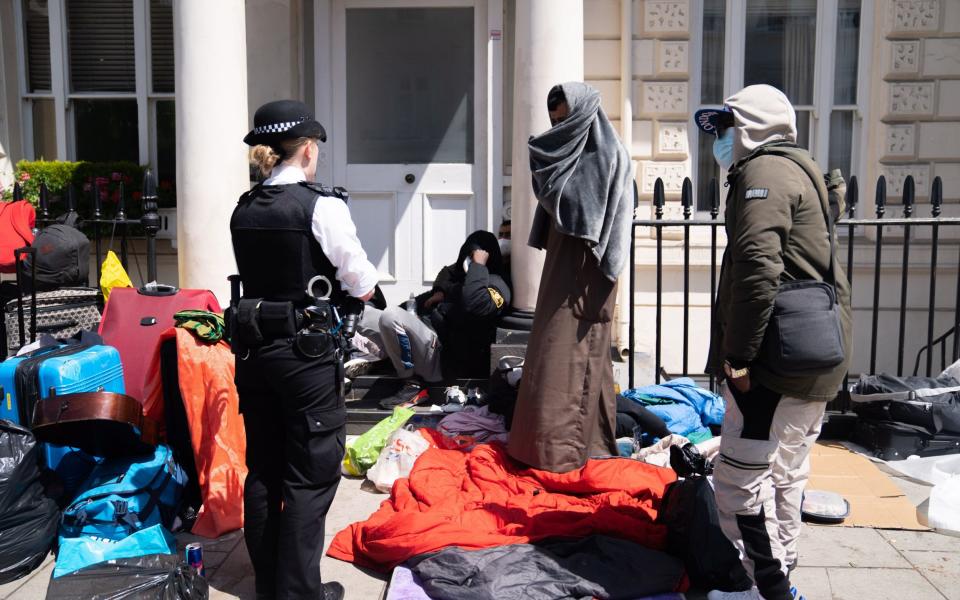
x,y
102,181
103,194
115,176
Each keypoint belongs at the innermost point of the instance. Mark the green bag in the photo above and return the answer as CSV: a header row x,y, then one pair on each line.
x,y
363,451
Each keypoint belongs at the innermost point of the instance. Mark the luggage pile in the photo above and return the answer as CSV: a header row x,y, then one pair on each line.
x,y
899,417
84,470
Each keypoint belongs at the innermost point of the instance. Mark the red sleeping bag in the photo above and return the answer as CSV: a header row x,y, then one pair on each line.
x,y
484,499
16,231
133,321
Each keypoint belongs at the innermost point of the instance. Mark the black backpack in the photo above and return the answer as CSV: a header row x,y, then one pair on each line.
x,y
63,258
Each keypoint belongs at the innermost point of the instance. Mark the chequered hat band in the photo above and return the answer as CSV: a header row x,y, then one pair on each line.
x,y
277,127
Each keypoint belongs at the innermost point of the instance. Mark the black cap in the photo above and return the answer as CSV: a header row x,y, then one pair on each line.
x,y
281,120
710,120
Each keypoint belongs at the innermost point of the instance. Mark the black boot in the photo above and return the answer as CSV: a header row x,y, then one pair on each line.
x,y
333,591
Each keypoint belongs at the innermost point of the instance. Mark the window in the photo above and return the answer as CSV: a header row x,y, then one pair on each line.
x,y
809,49
98,81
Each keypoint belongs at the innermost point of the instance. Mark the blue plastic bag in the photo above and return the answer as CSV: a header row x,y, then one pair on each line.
x,y
79,552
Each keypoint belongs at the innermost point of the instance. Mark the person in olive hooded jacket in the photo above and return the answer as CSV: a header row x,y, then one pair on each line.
x,y
777,219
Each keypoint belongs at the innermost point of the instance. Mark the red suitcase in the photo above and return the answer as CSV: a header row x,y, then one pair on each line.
x,y
133,320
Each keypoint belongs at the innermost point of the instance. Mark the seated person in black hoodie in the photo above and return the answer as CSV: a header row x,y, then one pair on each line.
x,y
455,321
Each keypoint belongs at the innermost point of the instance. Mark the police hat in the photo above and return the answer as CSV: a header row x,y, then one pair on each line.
x,y
282,120
711,119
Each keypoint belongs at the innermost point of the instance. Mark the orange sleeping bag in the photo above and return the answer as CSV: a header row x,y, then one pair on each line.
x,y
484,498
217,434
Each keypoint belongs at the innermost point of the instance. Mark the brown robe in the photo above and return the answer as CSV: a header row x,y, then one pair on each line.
x,y
567,409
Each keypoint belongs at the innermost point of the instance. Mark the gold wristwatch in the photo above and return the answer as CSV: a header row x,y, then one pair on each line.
x,y
732,373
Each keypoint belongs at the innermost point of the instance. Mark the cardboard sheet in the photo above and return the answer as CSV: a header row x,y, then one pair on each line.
x,y
875,500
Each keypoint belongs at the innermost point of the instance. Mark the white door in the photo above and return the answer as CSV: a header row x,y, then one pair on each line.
x,y
408,131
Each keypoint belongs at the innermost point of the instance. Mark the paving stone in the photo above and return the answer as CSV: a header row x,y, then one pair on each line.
x,y
880,584
352,504
36,586
7,590
224,543
11,589
847,547
213,559
232,570
942,569
921,540
812,582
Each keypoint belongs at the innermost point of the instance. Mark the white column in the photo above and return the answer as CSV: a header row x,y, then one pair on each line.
x,y
549,50
210,46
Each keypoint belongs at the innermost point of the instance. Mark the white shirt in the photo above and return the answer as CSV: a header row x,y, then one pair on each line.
x,y
334,230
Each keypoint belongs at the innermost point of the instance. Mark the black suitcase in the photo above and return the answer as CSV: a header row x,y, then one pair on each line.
x,y
889,440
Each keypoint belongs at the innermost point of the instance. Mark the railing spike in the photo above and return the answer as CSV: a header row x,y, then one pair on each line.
x,y
936,196
853,197
658,198
714,198
909,195
881,197
686,198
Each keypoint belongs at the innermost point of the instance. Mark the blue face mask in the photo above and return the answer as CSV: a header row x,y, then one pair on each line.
x,y
723,149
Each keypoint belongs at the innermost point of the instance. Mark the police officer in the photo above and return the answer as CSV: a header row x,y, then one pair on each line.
x,y
287,232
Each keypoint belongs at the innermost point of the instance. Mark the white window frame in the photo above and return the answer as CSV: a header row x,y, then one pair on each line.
x,y
62,98
823,92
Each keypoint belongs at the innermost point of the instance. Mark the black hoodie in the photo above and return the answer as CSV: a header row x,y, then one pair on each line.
x,y
466,319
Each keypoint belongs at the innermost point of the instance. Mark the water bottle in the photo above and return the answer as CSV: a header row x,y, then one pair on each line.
x,y
412,304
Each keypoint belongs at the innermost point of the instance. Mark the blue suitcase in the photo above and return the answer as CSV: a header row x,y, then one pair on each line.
x,y
64,369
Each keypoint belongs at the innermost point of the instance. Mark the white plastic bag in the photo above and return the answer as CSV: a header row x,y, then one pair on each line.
x,y
397,458
943,511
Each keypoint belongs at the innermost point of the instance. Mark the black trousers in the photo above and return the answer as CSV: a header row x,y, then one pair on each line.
x,y
295,419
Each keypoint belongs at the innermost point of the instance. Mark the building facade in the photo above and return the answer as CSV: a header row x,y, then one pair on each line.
x,y
428,103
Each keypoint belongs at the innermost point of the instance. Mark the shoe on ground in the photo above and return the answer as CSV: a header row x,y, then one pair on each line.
x,y
796,594
355,367
333,591
751,594
409,393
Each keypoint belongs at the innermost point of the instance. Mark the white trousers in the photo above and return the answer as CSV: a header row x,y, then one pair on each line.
x,y
760,474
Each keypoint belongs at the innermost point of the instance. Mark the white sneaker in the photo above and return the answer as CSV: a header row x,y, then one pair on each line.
x,y
751,594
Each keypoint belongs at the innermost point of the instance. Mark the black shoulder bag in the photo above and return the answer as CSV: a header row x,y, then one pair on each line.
x,y
804,335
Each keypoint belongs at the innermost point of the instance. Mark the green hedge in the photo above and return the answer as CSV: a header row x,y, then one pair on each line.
x,y
83,176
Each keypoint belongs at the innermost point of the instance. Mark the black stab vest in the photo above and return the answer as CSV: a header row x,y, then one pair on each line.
x,y
274,245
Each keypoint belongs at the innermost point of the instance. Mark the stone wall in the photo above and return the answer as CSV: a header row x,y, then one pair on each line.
x,y
659,83
917,99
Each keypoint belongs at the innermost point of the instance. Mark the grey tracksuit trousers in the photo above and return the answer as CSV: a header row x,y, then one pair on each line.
x,y
413,347
759,478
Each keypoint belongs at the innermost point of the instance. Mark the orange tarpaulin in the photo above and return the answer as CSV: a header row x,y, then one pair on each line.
x,y
217,435
483,498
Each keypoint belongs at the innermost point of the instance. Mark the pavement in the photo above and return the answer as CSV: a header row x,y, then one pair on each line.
x,y
838,563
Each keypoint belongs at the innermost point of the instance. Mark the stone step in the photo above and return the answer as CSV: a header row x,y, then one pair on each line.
x,y
366,392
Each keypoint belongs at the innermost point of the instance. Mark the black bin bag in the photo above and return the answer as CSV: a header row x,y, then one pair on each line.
x,y
150,577
689,510
28,519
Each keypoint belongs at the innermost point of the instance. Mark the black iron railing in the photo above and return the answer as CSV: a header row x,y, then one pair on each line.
x,y
907,222
118,225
